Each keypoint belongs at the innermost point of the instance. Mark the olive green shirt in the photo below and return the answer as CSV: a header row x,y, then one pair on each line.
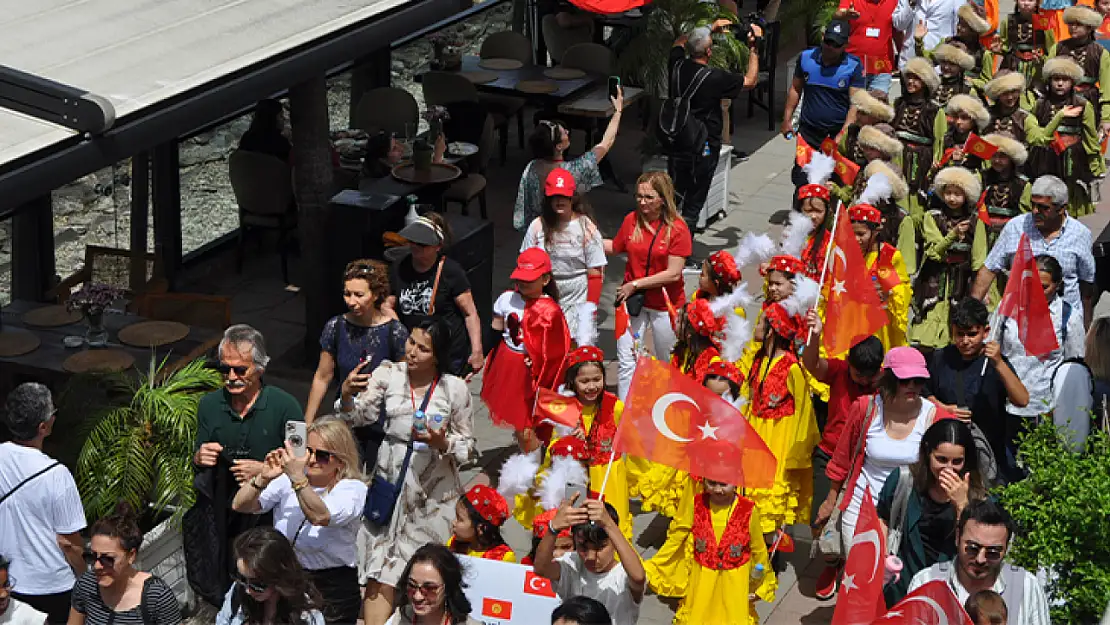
x,y
252,437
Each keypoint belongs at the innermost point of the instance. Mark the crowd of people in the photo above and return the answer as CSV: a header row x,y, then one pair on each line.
x,y
993,142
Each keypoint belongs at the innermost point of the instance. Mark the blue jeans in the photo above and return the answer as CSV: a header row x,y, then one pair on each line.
x,y
877,82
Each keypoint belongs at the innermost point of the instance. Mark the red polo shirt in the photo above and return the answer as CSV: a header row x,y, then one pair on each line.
x,y
843,390
872,37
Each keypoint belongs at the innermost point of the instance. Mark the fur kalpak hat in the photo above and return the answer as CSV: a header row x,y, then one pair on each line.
x,y
875,139
948,53
924,70
1008,145
1062,66
962,178
898,187
1082,15
871,106
1004,83
970,106
968,15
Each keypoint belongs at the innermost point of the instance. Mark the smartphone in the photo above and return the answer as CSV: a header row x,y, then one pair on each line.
x,y
614,85
296,434
573,489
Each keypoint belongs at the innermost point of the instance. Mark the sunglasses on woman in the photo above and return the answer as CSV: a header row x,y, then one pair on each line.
x,y
106,560
322,456
252,585
909,381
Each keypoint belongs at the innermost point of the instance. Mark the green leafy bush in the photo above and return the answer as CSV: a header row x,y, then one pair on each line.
x,y
1063,512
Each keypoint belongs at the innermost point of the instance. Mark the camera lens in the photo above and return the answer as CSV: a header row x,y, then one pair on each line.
x,y
296,441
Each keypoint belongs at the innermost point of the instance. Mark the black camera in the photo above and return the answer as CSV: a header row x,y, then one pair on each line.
x,y
742,29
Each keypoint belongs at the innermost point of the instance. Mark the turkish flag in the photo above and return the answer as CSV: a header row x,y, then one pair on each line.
x,y
621,323
670,419
932,604
1042,21
861,589
607,6
845,168
1025,303
978,146
853,311
497,608
558,408
802,152
536,585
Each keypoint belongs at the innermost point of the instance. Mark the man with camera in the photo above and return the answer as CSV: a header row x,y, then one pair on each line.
x,y
691,77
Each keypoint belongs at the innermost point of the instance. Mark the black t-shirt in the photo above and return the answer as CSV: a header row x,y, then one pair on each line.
x,y
414,294
705,104
985,395
938,529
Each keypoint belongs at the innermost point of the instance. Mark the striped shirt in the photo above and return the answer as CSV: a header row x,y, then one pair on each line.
x,y
161,604
1034,603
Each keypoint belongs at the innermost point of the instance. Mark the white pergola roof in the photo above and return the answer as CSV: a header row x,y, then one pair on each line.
x,y
138,53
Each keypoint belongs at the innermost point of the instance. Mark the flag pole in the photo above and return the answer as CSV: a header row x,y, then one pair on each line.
x,y
825,265
605,480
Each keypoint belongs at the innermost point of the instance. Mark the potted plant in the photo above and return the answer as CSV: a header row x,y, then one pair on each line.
x,y
1062,511
423,149
92,299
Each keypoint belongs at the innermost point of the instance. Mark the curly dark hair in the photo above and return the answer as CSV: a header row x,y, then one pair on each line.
x,y
123,525
456,605
270,558
374,272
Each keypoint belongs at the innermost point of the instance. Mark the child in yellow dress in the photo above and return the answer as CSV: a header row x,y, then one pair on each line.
x,y
730,568
476,532
887,271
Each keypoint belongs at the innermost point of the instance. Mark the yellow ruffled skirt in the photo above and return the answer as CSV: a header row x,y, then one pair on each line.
x,y
668,571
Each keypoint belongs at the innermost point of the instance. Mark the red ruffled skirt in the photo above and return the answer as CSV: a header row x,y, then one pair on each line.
x,y
507,389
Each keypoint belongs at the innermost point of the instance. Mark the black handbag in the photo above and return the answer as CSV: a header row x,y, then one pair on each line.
x,y
382,496
634,303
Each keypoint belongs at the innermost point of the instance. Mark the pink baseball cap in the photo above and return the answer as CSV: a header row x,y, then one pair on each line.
x,y
906,363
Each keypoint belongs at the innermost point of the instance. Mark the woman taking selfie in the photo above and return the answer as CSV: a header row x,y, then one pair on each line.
x,y
433,590
943,481
113,590
363,333
270,586
428,427
317,502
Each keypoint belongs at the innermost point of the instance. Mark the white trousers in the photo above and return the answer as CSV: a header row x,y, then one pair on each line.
x,y
629,345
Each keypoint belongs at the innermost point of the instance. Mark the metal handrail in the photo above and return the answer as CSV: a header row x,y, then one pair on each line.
x,y
450,21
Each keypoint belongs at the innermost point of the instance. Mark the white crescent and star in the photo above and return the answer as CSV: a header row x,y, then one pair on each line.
x,y
659,415
708,431
870,536
535,584
942,618
839,253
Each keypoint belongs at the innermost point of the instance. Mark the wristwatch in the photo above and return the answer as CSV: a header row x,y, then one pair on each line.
x,y
551,528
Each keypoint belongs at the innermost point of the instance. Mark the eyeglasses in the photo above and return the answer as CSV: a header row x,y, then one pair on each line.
x,y
993,553
321,456
106,560
646,198
240,370
427,588
1043,207
252,585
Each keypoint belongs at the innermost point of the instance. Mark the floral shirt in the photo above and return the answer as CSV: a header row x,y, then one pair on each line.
x,y
529,195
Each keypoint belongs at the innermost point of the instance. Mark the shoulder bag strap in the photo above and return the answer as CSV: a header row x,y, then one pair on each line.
x,y
898,510
870,414
408,453
435,287
27,479
651,247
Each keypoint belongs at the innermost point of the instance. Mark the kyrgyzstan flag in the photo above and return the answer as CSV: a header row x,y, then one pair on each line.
x,y
607,6
978,146
984,214
828,146
1024,302
802,152
852,307
861,589
670,419
931,604
557,408
845,168
497,608
1042,21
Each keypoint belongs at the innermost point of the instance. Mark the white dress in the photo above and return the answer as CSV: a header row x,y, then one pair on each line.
x,y
574,250
426,506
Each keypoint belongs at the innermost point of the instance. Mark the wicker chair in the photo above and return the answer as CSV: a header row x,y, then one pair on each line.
x,y
114,267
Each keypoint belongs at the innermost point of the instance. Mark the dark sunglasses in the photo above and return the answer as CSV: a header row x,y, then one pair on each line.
x,y
428,589
8,583
908,381
993,553
106,560
833,44
252,585
1043,207
240,370
322,456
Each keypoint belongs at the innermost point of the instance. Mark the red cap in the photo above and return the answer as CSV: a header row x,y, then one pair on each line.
x,y
586,353
489,503
700,316
725,369
559,182
531,265
724,265
866,213
786,263
807,191
782,322
570,447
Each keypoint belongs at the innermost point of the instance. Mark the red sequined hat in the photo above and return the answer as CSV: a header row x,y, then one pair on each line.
x,y
783,323
700,316
586,353
539,525
786,263
489,503
724,265
807,191
725,369
867,213
570,447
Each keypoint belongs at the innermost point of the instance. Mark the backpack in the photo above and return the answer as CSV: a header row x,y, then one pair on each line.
x,y
898,508
678,132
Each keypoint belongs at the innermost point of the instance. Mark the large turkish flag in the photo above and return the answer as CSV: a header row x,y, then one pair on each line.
x,y
861,589
1025,303
853,311
932,604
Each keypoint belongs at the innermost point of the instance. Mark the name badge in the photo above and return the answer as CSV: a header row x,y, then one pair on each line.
x,y
873,33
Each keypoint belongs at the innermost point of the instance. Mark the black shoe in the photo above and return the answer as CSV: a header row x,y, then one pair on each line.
x,y
739,156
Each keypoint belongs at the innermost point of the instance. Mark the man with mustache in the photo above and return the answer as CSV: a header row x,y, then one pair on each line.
x,y
13,611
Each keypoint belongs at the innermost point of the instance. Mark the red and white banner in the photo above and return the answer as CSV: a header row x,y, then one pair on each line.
x,y
503,593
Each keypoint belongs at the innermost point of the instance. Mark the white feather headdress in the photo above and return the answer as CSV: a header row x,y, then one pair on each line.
x,y
795,234
877,190
585,332
563,471
754,249
738,330
518,474
819,168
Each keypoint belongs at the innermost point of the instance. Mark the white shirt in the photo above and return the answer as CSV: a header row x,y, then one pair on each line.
x,y
939,17
510,307
573,250
318,547
610,588
1036,372
19,613
33,517
1034,603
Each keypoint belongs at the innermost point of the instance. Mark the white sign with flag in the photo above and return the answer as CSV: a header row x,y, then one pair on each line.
x,y
504,593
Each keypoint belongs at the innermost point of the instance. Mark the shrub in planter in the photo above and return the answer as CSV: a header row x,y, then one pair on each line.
x,y
1063,513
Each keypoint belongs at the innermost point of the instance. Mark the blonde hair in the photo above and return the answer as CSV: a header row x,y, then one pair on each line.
x,y
1098,348
660,183
340,441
